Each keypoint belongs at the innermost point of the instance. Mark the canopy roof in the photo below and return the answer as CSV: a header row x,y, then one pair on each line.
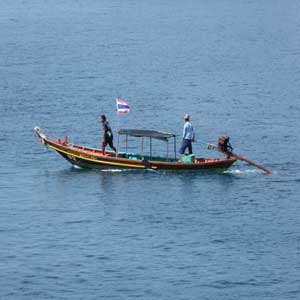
x,y
147,133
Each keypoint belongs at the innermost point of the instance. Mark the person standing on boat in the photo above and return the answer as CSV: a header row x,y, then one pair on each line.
x,y
107,137
188,135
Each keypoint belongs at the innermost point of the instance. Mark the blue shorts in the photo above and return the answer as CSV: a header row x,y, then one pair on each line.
x,y
186,144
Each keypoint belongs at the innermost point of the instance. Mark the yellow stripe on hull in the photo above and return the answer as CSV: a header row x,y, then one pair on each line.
x,y
99,161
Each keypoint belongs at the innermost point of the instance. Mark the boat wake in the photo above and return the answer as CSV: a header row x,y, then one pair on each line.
x,y
77,167
112,170
247,171
126,170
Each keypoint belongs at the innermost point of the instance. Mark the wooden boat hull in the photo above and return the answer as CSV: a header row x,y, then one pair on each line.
x,y
92,158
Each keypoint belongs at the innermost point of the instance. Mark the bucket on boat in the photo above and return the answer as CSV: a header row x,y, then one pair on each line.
x,y
188,159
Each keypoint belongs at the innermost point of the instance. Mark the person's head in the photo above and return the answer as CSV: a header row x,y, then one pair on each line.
x,y
186,117
102,118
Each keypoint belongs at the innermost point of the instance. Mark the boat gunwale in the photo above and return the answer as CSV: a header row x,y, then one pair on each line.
x,y
70,149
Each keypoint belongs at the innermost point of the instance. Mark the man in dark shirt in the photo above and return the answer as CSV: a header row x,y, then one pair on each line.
x,y
107,137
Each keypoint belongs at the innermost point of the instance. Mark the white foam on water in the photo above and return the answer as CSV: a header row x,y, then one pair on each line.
x,y
113,170
247,171
77,167
127,170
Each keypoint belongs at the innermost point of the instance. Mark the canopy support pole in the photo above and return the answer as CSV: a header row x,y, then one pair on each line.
x,y
142,146
117,154
150,147
126,144
175,147
167,149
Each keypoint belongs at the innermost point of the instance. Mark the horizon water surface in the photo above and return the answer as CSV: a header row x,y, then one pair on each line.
x,y
70,233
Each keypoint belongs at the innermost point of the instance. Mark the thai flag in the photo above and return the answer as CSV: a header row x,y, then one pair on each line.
x,y
122,106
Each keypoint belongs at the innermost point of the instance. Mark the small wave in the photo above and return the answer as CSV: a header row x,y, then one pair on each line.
x,y
102,257
218,241
78,222
229,284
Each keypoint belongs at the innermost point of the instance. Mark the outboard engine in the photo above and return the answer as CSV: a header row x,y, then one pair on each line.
x,y
224,143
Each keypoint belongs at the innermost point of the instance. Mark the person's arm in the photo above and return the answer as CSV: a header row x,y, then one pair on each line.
x,y
104,130
193,136
184,131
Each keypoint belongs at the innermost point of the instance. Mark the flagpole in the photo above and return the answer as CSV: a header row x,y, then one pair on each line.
x,y
122,108
118,120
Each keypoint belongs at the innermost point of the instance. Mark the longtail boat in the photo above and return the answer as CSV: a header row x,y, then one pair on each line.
x,y
86,157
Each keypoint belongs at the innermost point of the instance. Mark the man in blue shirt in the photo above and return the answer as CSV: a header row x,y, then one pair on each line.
x,y
188,136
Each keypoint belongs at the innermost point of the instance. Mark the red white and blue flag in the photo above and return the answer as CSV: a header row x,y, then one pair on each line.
x,y
122,106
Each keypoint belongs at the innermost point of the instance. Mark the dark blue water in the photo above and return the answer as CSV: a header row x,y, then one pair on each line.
x,y
67,233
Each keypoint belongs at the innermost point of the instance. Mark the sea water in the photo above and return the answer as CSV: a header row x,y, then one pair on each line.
x,y
68,233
